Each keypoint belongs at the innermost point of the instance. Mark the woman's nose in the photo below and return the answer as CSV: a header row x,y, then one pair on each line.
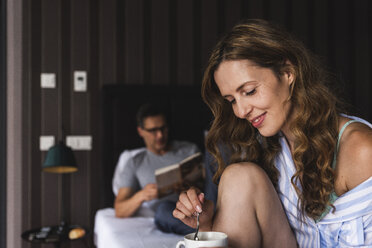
x,y
242,109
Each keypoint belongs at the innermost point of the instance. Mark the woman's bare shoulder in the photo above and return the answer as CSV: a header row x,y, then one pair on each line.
x,y
355,154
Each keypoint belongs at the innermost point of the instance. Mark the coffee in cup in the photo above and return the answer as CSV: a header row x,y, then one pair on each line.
x,y
206,239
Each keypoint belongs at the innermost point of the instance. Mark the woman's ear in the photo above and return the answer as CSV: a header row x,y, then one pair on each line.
x,y
289,77
289,73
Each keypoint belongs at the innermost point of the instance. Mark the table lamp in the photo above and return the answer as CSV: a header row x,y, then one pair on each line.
x,y
60,159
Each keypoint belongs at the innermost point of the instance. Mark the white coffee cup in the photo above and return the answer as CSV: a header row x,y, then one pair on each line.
x,y
206,239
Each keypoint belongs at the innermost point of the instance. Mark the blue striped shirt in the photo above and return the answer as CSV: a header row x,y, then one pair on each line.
x,y
349,226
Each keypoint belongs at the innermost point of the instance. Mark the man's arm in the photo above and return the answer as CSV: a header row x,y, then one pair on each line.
x,y
127,201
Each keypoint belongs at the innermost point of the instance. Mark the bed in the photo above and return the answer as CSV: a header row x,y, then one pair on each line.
x,y
189,118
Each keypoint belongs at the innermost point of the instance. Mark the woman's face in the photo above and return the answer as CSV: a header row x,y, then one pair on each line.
x,y
256,94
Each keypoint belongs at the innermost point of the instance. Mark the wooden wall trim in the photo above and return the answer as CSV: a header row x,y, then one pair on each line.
x,y
2,124
14,123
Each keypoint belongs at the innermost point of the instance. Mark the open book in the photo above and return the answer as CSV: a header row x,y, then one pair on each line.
x,y
181,176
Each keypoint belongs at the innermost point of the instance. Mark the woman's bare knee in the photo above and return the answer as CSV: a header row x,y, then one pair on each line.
x,y
247,198
246,175
236,207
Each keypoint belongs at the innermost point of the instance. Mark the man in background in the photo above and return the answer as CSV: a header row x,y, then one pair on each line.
x,y
136,181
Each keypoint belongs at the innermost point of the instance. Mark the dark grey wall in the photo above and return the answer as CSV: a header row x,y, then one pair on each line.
x,y
151,42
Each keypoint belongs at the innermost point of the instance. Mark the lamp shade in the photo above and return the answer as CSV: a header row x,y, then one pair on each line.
x,y
60,159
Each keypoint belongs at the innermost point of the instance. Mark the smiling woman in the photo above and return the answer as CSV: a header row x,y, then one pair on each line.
x,y
255,93
286,130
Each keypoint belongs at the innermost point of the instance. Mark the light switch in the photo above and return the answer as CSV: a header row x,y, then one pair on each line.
x,y
46,142
82,143
80,81
48,80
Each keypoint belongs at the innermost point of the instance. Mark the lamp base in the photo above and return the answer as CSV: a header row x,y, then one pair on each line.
x,y
62,228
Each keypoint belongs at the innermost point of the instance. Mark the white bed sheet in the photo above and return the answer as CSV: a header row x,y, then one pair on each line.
x,y
134,232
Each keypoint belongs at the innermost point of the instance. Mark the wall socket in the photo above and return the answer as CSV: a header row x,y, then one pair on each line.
x,y
79,143
48,80
46,142
80,81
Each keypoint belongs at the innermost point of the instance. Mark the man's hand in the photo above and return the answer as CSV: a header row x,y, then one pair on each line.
x,y
149,192
127,201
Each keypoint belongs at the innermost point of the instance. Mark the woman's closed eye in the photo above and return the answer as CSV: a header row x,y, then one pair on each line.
x,y
231,100
249,93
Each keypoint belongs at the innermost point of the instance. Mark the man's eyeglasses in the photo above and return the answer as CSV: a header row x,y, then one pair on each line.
x,y
156,129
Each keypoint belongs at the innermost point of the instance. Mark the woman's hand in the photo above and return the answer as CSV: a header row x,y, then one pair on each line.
x,y
191,202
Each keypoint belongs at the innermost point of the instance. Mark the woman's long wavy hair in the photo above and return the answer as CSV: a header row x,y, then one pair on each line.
x,y
314,121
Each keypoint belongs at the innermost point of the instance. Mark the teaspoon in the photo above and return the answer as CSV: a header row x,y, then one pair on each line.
x,y
197,226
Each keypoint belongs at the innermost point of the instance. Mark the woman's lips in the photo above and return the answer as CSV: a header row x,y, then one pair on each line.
x,y
256,122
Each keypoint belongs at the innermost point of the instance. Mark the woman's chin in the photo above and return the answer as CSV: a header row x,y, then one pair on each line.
x,y
267,133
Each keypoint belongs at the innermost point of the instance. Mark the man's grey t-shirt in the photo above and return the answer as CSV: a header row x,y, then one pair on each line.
x,y
139,170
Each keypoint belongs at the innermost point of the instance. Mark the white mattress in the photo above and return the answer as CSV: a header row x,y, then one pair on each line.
x,y
134,232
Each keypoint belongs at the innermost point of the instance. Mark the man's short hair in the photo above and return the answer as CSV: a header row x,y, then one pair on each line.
x,y
148,110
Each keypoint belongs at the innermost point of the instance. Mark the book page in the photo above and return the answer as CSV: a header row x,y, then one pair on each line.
x,y
177,177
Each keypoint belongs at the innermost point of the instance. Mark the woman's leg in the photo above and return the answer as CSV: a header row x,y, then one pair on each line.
x,y
249,209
